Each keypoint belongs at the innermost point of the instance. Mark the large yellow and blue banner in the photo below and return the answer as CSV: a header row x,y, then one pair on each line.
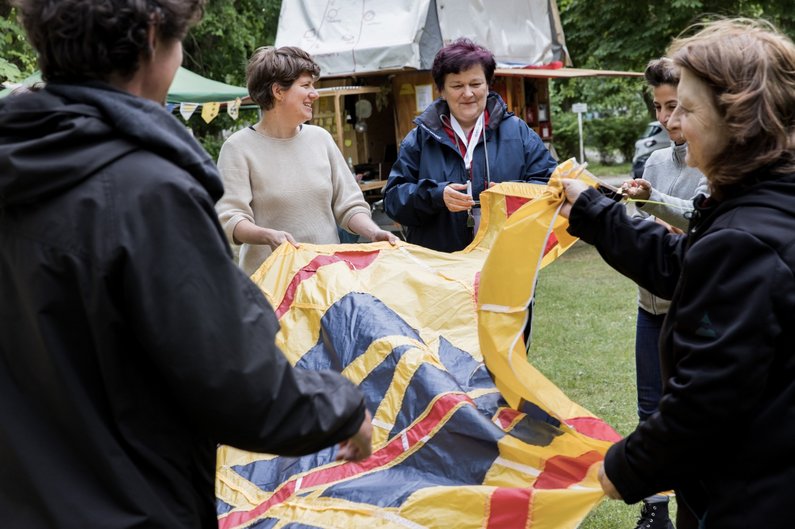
x,y
466,433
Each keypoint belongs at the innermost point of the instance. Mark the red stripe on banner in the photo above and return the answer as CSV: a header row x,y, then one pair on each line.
x,y
328,475
551,243
561,472
514,203
506,417
510,508
595,428
354,260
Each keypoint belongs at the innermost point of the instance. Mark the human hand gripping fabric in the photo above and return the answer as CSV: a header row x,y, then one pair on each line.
x,y
571,192
274,238
360,445
636,189
607,485
455,200
383,235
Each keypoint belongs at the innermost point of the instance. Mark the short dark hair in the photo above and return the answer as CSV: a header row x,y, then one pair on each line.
x,y
282,66
749,67
461,55
661,72
92,39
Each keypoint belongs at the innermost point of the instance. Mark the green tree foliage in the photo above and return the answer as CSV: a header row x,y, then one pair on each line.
x,y
17,58
220,45
625,35
219,48
611,35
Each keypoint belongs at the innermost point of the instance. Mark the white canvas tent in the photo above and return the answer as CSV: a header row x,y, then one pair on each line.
x,y
367,36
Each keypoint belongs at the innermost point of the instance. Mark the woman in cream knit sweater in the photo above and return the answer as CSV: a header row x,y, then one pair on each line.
x,y
285,180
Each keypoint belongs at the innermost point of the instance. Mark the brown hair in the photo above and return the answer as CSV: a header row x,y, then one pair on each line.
x,y
282,66
78,40
750,68
661,72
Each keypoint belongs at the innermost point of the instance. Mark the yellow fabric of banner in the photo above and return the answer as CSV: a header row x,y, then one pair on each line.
x,y
454,445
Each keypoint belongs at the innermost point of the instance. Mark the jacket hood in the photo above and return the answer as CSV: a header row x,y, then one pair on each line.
x,y
774,192
54,138
432,116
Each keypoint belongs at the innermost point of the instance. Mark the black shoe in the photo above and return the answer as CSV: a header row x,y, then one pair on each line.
x,y
654,516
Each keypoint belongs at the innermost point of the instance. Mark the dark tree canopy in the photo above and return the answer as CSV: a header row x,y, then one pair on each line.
x,y
625,35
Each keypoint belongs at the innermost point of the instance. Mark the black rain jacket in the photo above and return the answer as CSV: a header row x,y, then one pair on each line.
x,y
724,435
131,344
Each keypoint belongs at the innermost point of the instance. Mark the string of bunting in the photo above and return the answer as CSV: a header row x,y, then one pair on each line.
x,y
209,111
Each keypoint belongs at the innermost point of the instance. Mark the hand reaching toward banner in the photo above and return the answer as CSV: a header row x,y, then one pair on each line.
x,y
359,446
637,189
607,485
572,190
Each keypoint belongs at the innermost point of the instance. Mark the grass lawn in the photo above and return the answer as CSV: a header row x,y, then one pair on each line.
x,y
584,340
599,170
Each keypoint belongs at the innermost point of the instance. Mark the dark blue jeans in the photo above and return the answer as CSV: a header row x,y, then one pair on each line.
x,y
647,362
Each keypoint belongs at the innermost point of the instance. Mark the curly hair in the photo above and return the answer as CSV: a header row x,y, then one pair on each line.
x,y
661,72
460,55
92,39
750,68
268,66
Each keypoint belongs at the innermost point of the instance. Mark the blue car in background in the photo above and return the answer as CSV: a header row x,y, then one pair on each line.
x,y
654,137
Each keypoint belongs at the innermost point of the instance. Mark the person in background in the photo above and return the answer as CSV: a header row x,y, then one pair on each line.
x,y
464,141
669,186
725,428
286,180
131,343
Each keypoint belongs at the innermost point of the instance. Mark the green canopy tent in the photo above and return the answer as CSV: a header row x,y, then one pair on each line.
x,y
188,87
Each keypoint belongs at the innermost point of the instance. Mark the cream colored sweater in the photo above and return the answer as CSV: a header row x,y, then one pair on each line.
x,y
300,185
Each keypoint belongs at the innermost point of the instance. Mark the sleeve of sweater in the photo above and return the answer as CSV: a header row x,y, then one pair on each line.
x,y
347,199
674,208
235,205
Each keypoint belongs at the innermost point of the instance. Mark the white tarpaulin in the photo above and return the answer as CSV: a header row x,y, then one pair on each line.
x,y
357,36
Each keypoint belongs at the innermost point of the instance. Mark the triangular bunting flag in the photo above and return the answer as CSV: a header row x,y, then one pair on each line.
x,y
232,108
186,110
209,111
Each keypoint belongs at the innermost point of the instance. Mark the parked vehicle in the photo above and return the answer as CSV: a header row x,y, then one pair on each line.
x,y
654,137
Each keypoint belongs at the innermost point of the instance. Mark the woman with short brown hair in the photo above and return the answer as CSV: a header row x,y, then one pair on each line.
x,y
286,180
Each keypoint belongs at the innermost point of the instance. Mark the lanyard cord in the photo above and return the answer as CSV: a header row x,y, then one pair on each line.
x,y
470,144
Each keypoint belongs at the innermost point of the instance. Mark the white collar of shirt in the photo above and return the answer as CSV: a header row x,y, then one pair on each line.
x,y
472,140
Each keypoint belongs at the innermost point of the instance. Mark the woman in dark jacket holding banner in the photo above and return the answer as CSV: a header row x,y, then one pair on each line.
x,y
131,344
464,141
724,433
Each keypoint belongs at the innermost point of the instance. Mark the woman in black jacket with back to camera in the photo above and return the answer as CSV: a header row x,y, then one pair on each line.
x,y
724,433
131,344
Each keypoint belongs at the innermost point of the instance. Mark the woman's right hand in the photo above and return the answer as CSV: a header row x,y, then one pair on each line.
x,y
246,232
275,238
637,189
455,200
